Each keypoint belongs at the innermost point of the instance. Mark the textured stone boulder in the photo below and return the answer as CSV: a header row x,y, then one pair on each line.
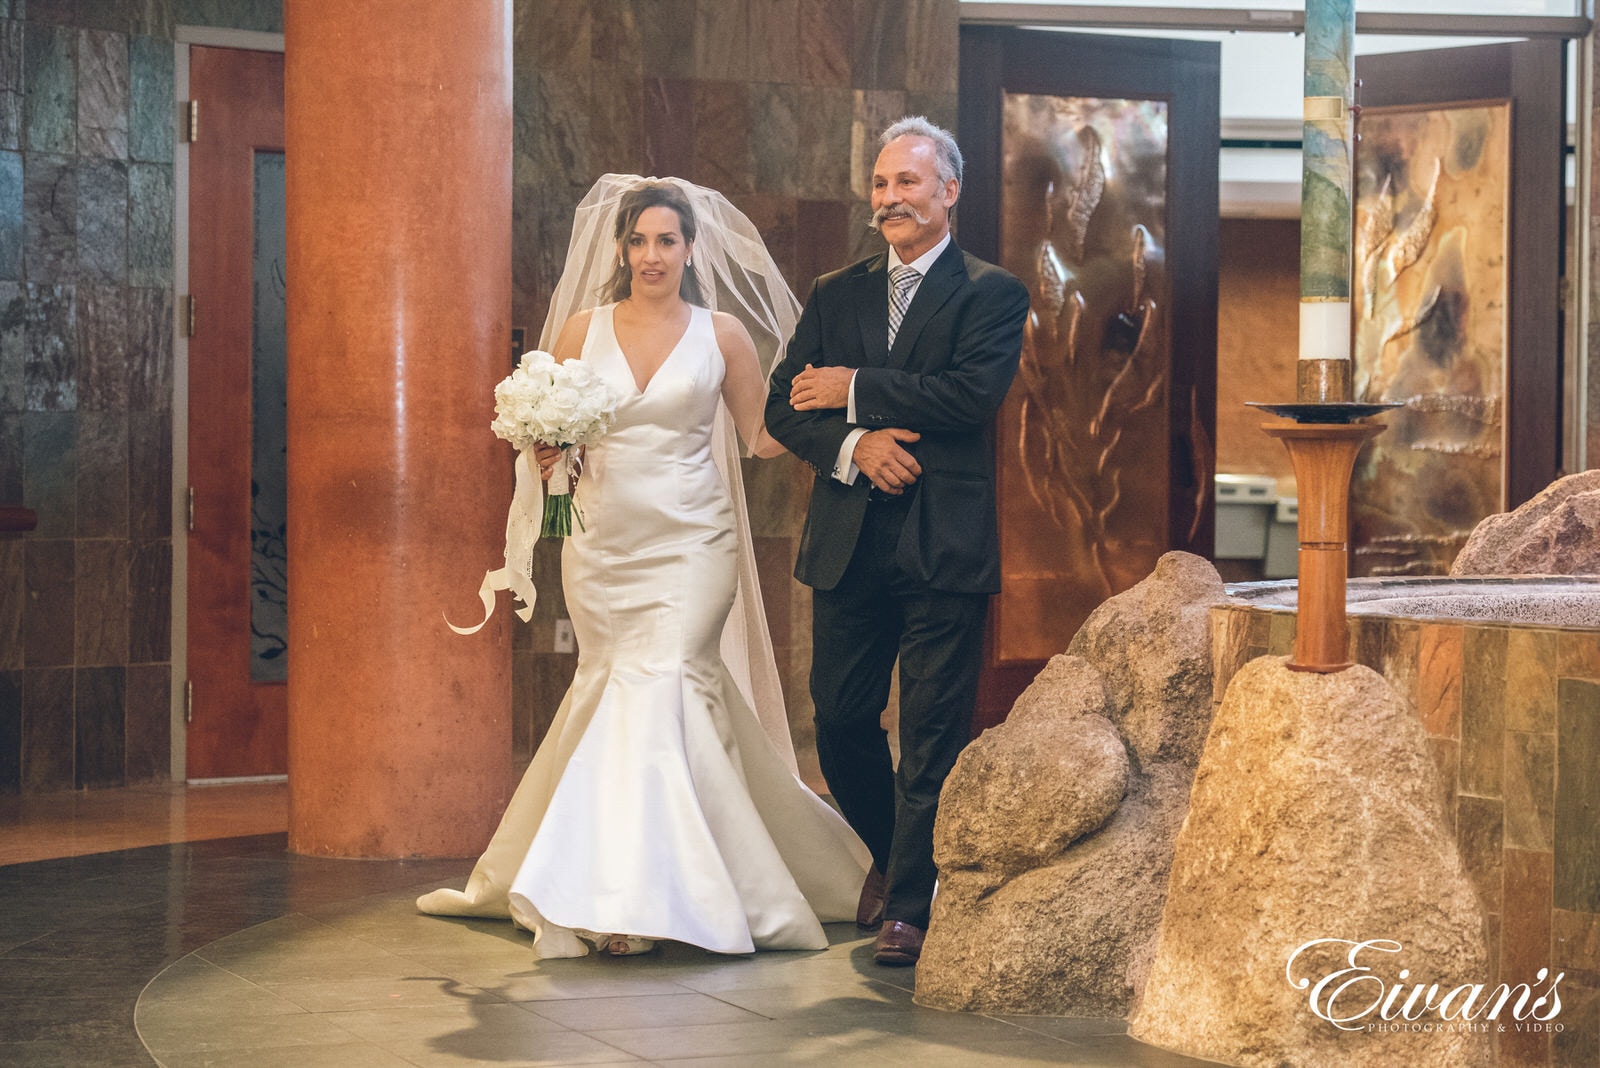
x,y
1556,533
1317,813
1056,828
1153,645
1031,787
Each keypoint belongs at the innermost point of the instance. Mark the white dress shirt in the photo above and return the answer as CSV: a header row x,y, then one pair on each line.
x,y
844,468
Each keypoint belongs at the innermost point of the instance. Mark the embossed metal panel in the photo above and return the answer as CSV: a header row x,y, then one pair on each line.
x,y
1083,224
1429,301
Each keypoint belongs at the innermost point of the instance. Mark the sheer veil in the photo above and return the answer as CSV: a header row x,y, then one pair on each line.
x,y
738,276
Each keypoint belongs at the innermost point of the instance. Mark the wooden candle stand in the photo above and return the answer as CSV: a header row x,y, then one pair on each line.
x,y
1323,455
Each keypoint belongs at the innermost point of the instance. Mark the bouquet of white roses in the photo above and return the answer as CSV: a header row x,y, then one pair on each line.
x,y
560,404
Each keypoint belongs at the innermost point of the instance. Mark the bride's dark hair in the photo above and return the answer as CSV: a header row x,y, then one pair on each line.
x,y
632,205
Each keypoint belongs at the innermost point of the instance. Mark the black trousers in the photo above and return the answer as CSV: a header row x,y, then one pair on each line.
x,y
875,615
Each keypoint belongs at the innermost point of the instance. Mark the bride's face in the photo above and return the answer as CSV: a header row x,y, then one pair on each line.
x,y
656,252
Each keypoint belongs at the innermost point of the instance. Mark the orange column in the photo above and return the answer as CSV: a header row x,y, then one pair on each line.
x,y
399,280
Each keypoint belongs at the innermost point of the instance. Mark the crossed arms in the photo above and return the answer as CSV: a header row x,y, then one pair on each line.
x,y
806,404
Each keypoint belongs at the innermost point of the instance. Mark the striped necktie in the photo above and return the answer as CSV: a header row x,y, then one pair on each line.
x,y
904,280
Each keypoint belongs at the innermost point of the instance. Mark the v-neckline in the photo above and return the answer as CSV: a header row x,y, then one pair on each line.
x,y
633,376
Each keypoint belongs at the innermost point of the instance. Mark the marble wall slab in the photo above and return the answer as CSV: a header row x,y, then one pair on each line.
x,y
12,230
10,732
1577,801
100,603
13,347
102,318
50,471
102,91
49,739
149,475
151,128
148,718
11,52
266,17
13,595
50,91
99,739
50,218
101,229
102,475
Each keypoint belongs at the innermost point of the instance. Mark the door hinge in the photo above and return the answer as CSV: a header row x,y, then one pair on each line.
x,y
191,509
189,122
188,701
186,314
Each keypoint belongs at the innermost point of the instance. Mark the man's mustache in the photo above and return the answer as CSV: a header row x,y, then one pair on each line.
x,y
876,222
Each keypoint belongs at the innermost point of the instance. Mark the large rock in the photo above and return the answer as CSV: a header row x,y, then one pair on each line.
x,y
1317,813
1028,789
1153,645
1071,938
1556,533
1056,828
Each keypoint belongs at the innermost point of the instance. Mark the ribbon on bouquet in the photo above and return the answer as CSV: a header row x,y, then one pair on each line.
x,y
558,503
522,532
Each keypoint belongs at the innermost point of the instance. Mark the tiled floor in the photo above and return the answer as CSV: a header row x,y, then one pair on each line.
x,y
42,826
233,952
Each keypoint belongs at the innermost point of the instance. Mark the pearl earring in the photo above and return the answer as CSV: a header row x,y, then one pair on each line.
x,y
689,262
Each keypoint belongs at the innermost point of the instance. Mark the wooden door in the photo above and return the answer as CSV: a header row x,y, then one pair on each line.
x,y
1092,176
1458,256
238,723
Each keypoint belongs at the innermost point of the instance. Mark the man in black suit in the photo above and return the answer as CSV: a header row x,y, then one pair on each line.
x,y
897,366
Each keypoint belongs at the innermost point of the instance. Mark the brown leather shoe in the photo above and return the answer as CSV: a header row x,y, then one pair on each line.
x,y
898,944
869,909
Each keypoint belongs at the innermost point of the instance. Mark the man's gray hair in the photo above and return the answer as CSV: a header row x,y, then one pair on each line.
x,y
947,156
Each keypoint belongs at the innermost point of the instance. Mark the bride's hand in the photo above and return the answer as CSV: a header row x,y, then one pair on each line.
x,y
547,455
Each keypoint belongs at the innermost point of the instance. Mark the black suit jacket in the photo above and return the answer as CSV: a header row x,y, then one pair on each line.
x,y
952,362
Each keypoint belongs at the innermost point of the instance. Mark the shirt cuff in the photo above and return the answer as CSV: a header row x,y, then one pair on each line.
x,y
844,468
850,405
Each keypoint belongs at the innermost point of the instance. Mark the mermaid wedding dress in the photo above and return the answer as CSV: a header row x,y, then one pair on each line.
x,y
657,806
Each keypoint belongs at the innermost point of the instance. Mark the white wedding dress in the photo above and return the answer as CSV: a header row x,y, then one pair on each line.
x,y
656,805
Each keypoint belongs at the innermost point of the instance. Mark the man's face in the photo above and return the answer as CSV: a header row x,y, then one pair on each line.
x,y
909,201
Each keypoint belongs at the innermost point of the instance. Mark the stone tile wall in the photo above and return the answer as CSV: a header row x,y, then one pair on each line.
x,y
1513,714
86,321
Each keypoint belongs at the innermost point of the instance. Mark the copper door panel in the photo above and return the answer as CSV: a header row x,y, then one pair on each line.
x,y
1083,438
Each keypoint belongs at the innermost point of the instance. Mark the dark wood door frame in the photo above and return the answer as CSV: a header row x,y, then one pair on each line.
x,y
238,727
1185,74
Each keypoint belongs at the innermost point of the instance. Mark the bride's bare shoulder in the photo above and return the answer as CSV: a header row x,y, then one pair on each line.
x,y
732,337
569,343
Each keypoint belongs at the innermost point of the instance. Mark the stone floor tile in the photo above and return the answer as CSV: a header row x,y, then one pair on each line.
x,y
655,1010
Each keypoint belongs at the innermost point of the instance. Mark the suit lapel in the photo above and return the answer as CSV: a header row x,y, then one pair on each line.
x,y
872,310
946,276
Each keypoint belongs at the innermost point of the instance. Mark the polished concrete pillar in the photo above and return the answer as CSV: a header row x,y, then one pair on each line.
x,y
399,281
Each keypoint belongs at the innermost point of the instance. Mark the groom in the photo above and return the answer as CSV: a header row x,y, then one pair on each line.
x,y
897,366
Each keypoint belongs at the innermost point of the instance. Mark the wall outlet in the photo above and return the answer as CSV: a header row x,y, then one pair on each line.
x,y
564,642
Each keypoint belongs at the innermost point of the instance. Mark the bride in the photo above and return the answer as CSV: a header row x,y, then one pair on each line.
x,y
660,805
